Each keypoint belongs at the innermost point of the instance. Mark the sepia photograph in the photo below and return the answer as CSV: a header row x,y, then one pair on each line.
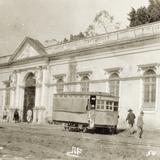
x,y
79,80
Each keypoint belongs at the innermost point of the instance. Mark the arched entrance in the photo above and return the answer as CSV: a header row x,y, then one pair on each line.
x,y
29,95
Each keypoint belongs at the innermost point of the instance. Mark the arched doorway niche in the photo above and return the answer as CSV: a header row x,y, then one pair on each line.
x,y
29,94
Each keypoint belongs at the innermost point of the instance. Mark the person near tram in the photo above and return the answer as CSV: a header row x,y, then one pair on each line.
x,y
29,116
131,119
140,124
16,116
91,114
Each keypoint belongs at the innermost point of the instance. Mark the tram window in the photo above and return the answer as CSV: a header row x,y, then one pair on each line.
x,y
109,105
98,104
102,104
115,103
106,105
115,108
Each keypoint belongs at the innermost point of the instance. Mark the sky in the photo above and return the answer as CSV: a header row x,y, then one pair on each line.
x,y
54,19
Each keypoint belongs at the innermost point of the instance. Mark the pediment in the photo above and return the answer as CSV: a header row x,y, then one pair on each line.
x,y
27,52
28,49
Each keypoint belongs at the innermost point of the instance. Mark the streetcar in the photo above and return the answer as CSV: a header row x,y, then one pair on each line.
x,y
86,111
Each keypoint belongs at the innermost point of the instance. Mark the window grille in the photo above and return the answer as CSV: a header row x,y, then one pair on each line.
x,y
114,84
60,86
85,84
149,83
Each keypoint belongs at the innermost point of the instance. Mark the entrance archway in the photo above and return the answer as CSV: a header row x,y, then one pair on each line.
x,y
29,95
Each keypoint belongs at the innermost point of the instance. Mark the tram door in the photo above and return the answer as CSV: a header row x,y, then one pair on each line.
x,y
91,113
93,101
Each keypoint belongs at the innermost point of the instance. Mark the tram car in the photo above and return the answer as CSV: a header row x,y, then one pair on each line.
x,y
86,111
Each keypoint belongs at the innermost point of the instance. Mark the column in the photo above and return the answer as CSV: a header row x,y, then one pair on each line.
x,y
141,97
44,93
18,95
157,109
21,101
4,96
13,85
44,96
38,76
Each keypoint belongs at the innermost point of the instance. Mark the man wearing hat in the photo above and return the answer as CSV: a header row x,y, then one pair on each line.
x,y
140,124
130,118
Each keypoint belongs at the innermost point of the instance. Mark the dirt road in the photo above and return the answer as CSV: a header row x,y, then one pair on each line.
x,y
50,142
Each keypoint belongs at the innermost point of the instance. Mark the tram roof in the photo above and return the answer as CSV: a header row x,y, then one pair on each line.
x,y
88,93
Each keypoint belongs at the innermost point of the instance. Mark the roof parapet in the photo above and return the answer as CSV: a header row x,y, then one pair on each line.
x,y
132,33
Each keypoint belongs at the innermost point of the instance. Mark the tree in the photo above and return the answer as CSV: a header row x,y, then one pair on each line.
x,y
90,31
144,15
132,17
102,23
65,40
103,19
139,17
154,10
77,36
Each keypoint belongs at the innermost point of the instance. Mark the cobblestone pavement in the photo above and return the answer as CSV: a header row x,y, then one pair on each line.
x,y
50,142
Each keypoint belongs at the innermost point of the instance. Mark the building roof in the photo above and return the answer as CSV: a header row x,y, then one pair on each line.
x,y
110,40
35,44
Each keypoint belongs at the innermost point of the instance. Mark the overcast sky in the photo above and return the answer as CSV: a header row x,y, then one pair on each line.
x,y
48,19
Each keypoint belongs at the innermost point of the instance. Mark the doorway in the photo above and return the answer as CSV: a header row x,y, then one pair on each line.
x,y
29,95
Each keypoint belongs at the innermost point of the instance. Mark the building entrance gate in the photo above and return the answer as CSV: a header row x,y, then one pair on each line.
x,y
29,95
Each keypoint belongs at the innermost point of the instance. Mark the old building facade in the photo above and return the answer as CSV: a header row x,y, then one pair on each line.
x,y
125,63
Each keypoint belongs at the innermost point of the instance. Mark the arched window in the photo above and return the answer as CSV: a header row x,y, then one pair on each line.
x,y
114,84
149,83
85,84
60,86
30,80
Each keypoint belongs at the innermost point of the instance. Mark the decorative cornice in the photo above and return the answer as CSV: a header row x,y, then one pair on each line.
x,y
84,73
145,67
59,76
115,69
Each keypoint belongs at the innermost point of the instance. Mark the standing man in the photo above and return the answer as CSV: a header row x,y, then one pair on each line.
x,y
130,118
29,116
16,116
140,124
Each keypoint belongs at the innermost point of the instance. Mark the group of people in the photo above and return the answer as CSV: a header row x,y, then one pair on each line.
x,y
16,116
131,120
